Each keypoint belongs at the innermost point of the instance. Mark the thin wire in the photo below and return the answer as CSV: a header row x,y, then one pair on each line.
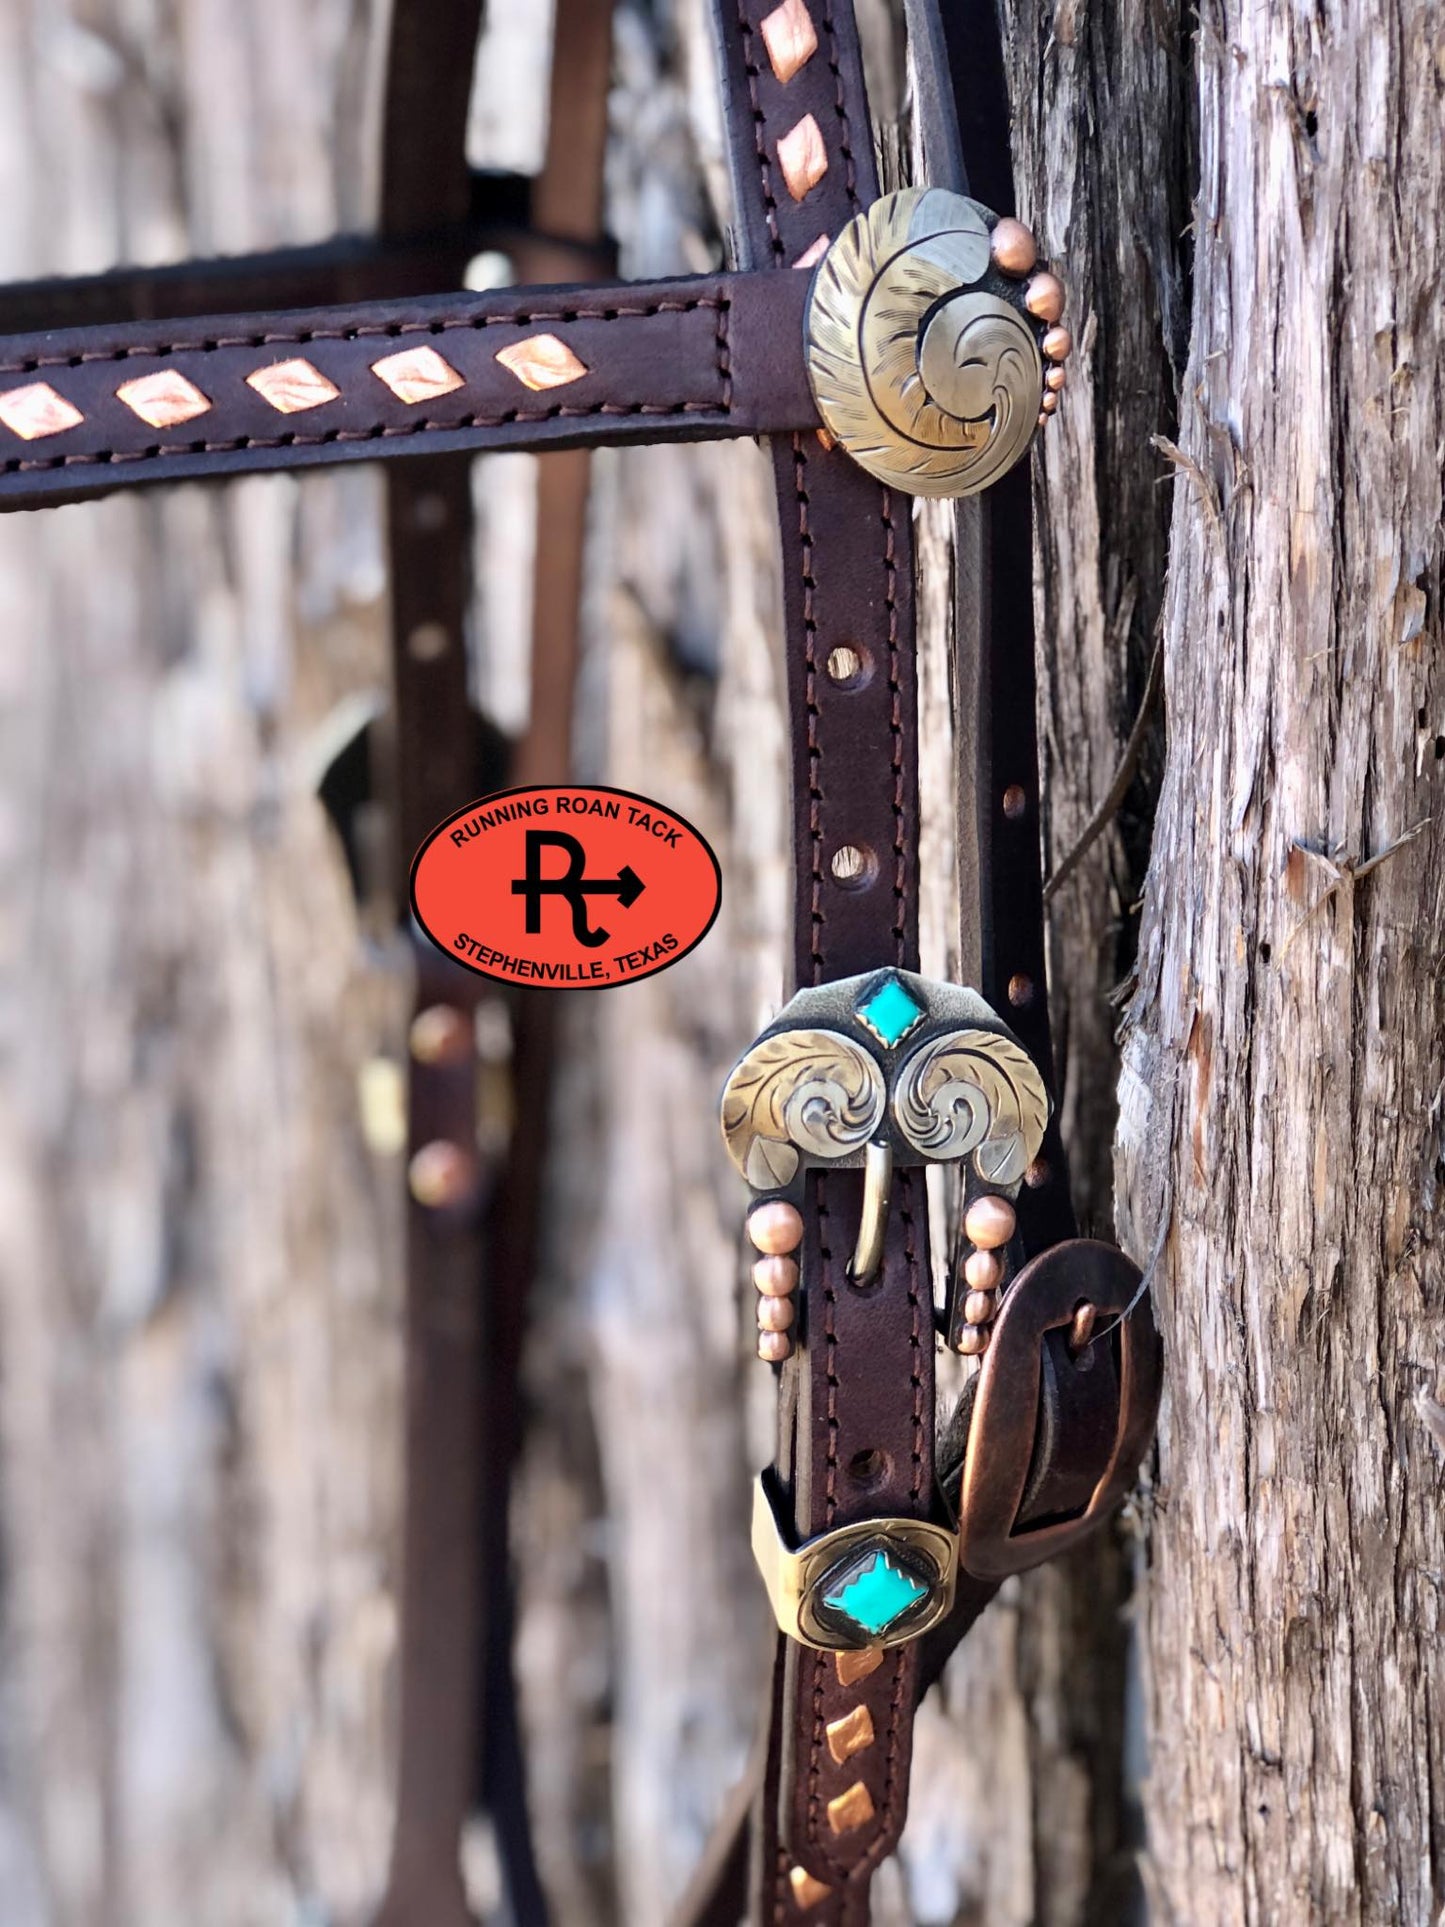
x,y
1166,1218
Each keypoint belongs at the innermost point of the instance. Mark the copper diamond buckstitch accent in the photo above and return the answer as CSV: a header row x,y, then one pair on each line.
x,y
807,1891
542,361
291,387
851,1667
803,157
852,1809
163,400
790,38
813,254
851,1734
417,375
35,411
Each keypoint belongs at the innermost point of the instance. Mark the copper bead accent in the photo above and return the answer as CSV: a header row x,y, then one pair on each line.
x,y
776,1314
776,1277
989,1222
1015,802
983,1271
1044,297
979,1307
1054,379
776,1228
1038,1174
1013,247
1020,990
774,1347
1058,344
852,1734
1049,404
441,1174
973,1341
440,1035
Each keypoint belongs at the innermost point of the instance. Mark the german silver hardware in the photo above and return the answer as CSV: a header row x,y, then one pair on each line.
x,y
928,348
882,1070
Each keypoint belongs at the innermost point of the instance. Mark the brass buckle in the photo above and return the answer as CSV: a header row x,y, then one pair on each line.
x,y
879,1583
1043,1298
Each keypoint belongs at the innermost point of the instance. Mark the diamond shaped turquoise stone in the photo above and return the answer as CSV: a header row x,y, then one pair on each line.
x,y
890,1013
876,1593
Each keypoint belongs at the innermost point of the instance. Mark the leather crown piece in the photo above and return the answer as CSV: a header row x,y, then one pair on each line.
x,y
888,346
915,342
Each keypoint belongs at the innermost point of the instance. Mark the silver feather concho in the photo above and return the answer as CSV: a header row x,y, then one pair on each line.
x,y
923,364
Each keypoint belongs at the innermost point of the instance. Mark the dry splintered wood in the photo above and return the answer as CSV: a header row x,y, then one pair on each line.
x,y
1280,1120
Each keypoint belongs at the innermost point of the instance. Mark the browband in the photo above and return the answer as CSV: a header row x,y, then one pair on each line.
x,y
887,346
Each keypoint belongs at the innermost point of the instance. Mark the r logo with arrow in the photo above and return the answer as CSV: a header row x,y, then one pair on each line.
x,y
482,881
574,884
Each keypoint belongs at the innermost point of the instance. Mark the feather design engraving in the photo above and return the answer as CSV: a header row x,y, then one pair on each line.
x,y
931,383
973,1091
810,1092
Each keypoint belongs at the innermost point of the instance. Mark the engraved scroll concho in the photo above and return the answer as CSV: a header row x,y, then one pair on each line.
x,y
973,1091
810,1092
928,377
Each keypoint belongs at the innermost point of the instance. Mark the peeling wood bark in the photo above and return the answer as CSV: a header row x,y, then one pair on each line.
x,y
1280,1112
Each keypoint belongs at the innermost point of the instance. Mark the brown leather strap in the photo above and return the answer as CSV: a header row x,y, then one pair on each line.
x,y
460,1734
431,767
857,1436
713,355
349,269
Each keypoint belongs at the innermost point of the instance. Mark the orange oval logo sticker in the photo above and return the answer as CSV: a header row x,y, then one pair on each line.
x,y
566,885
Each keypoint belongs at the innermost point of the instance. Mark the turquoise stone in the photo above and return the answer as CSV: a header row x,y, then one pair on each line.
x,y
890,1013
875,1594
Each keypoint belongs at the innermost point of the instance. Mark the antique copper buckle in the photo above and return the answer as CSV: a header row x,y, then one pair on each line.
x,y
1045,1297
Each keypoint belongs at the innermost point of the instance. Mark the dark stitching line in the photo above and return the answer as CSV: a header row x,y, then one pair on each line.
x,y
381,432
840,104
830,1507
895,723
724,354
815,749
393,330
915,1303
780,1889
751,68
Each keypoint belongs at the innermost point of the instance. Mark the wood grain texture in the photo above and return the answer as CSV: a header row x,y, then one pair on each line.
x,y
1280,1121
199,1291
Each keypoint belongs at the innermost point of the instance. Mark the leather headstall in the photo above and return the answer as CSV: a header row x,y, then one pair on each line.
x,y
887,345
